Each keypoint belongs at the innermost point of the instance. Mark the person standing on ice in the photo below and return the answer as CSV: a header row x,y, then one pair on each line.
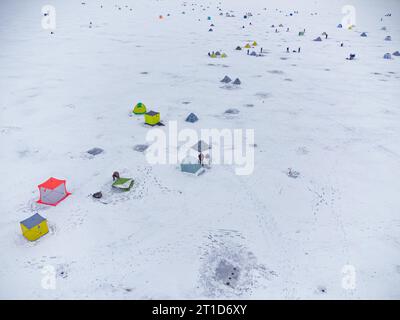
x,y
298,50
287,49
201,159
115,175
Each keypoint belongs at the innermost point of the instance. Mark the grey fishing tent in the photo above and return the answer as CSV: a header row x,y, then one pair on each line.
x,y
192,118
191,165
226,79
237,81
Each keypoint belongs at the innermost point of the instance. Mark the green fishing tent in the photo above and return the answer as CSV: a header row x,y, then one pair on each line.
x,y
124,184
140,108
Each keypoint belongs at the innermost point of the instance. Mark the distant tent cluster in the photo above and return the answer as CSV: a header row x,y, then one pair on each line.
x,y
253,44
227,80
340,26
217,54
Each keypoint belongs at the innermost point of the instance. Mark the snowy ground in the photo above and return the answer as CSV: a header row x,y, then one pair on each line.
x,y
334,121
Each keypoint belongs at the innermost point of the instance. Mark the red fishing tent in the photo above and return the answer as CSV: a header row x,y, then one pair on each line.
x,y
52,191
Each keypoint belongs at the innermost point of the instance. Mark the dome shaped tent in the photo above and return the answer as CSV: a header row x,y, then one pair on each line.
x,y
387,56
363,34
192,118
52,192
396,53
140,108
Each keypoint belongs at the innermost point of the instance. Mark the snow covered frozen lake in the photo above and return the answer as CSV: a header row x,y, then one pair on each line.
x,y
319,216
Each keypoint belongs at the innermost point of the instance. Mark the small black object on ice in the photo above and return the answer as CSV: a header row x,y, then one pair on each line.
x,y
97,195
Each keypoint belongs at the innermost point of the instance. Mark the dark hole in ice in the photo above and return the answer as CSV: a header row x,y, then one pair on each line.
x,y
232,111
322,289
95,151
140,147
